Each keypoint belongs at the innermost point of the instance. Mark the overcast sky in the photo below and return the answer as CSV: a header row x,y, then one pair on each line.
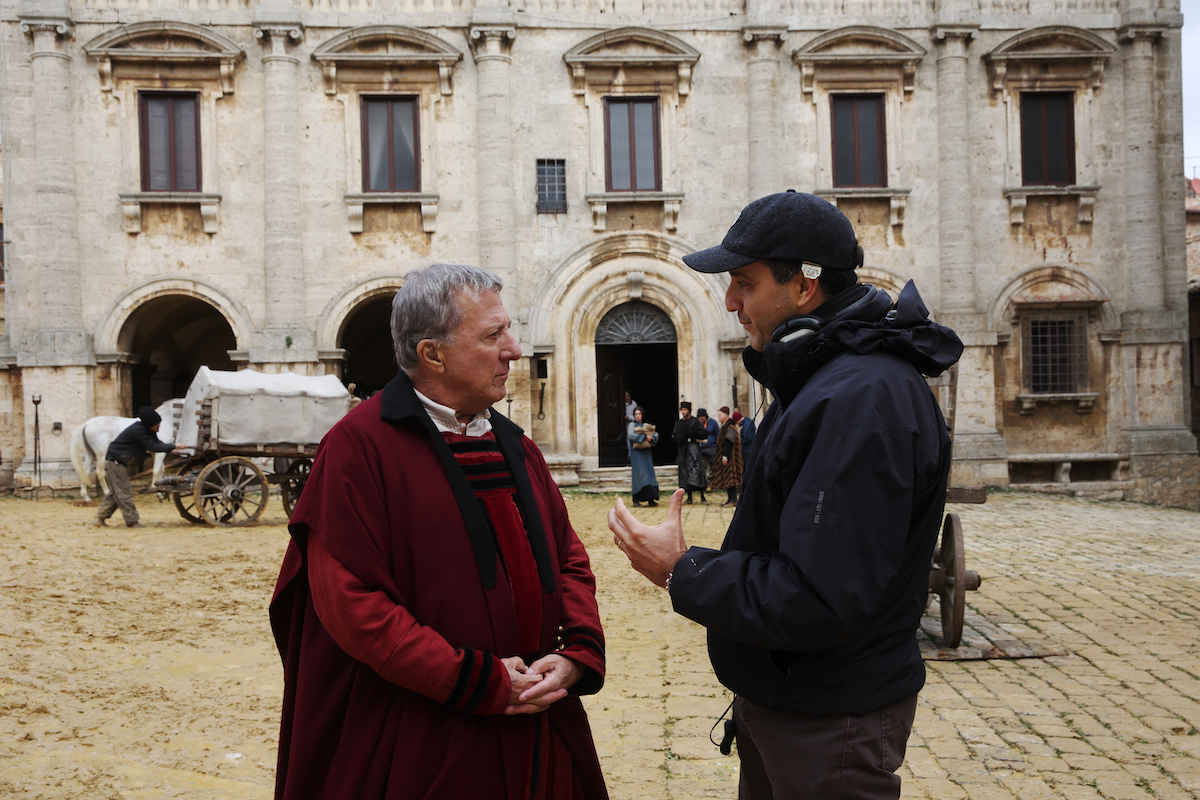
x,y
1191,88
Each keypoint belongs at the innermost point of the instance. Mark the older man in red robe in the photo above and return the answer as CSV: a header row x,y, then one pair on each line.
x,y
436,613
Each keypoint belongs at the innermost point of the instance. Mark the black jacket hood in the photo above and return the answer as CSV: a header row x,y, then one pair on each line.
x,y
860,319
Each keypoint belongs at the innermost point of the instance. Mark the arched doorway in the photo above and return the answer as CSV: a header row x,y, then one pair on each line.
x,y
636,352
170,338
367,339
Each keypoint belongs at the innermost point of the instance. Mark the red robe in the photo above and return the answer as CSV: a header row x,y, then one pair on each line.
x,y
388,504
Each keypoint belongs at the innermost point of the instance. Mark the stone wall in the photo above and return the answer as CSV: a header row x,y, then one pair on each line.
x,y
282,247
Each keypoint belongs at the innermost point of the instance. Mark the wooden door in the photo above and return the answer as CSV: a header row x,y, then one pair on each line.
x,y
610,406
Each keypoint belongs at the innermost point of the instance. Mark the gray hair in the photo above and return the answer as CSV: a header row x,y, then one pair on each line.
x,y
426,306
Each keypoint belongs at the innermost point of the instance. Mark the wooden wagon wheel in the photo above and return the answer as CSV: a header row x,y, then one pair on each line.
x,y
231,491
185,503
950,580
291,489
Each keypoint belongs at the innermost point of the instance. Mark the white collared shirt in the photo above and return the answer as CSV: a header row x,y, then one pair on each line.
x,y
445,420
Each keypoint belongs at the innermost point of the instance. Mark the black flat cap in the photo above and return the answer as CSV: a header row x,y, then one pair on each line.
x,y
790,225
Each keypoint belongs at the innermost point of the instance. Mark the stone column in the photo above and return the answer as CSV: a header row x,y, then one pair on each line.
x,y
54,352
287,340
765,167
980,455
492,45
956,246
1162,450
1143,232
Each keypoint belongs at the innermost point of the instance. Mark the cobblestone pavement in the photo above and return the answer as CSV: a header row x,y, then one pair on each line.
x,y
1117,585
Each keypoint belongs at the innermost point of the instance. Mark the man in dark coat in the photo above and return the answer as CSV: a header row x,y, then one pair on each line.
x,y
124,456
813,600
436,613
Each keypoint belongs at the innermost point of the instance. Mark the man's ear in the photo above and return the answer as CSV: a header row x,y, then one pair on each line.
x,y
804,293
429,356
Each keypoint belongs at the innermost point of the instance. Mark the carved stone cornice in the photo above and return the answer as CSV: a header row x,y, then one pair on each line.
x,y
945,33
1131,32
62,28
278,36
763,33
491,42
287,33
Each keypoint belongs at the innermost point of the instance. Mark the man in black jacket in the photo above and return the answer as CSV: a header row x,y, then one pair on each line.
x,y
124,456
813,600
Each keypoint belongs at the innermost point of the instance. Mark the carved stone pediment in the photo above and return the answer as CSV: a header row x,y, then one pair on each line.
x,y
145,46
856,52
1059,52
375,48
632,53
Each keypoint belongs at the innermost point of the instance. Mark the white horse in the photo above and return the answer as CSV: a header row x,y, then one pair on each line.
x,y
90,441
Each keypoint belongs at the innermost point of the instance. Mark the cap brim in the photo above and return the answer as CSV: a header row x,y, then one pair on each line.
x,y
717,259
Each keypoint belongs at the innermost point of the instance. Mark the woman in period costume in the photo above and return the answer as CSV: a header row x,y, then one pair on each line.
x,y
687,436
642,437
727,460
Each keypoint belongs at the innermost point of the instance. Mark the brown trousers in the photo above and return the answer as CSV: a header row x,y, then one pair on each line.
x,y
788,756
120,494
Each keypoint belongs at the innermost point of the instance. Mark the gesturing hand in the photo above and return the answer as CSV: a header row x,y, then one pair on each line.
x,y
557,673
652,550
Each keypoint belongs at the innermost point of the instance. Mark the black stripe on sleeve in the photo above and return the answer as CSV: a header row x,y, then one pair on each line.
x,y
464,676
481,686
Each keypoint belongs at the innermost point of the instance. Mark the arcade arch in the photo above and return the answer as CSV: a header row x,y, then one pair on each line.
x,y
168,339
356,326
159,333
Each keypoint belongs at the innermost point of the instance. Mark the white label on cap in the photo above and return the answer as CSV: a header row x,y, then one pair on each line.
x,y
811,271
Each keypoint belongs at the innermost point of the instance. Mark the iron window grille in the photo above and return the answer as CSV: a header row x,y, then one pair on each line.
x,y
390,144
1048,138
859,141
632,145
551,186
169,126
1054,352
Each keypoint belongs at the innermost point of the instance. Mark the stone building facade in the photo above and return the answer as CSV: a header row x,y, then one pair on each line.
x,y
233,183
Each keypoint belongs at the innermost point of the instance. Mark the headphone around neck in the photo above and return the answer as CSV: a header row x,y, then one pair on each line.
x,y
799,328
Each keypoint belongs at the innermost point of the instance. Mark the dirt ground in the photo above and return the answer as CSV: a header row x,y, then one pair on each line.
x,y
139,663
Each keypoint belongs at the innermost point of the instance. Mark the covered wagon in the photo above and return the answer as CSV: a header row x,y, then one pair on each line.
x,y
235,423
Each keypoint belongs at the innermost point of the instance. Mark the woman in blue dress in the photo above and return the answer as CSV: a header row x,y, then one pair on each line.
x,y
642,437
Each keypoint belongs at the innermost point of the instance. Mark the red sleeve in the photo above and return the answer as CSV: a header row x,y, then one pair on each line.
x,y
384,636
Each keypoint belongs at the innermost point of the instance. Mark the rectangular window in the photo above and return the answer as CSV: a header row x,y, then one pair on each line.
x,y
632,145
1055,352
859,141
551,186
1,253
390,145
1048,138
170,141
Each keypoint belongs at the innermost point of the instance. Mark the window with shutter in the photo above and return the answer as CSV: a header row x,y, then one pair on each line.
x,y
170,141
859,141
390,144
1047,138
632,144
